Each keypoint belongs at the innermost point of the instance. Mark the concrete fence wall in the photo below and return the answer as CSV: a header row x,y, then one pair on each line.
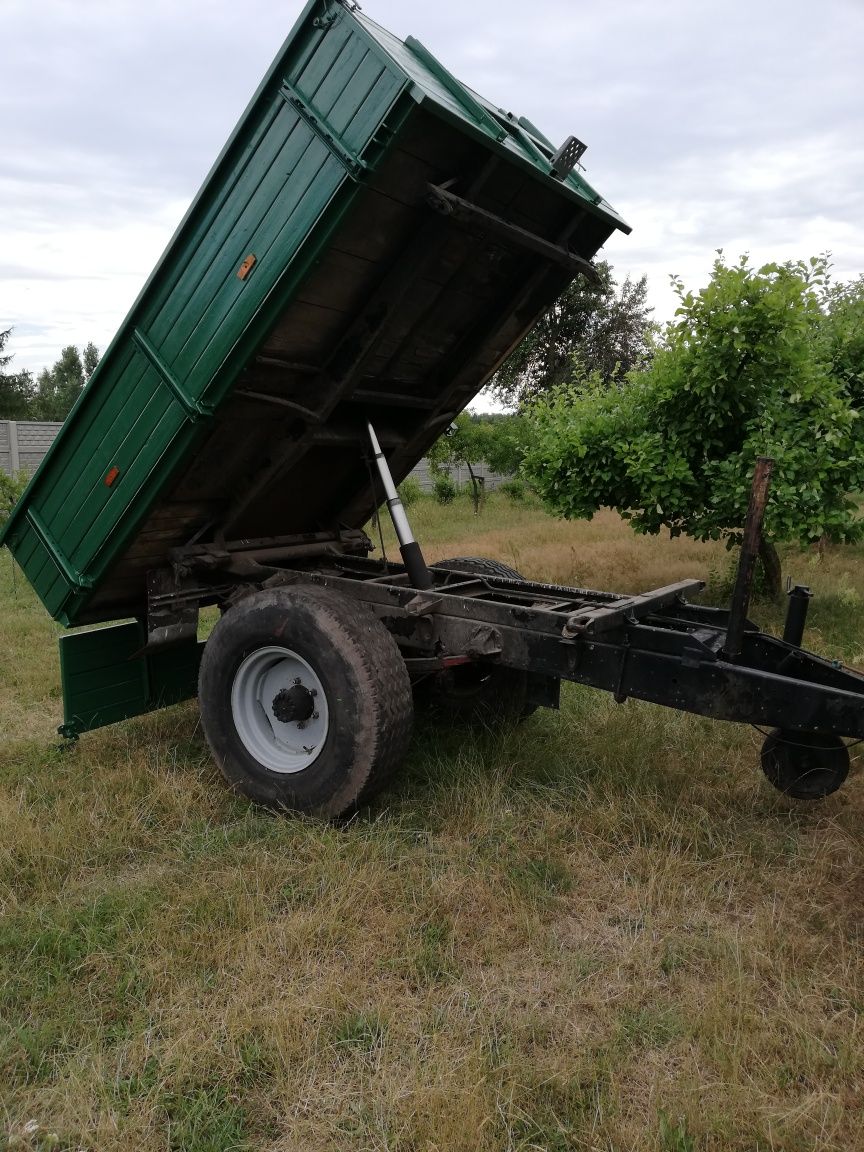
x,y
23,443
460,476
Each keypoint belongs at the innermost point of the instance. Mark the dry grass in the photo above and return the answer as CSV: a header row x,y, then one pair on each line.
x,y
603,931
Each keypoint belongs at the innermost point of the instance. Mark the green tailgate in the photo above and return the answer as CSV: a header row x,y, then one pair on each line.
x,y
106,677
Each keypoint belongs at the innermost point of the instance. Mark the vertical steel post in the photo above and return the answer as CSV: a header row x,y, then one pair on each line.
x,y
14,453
412,557
747,562
796,614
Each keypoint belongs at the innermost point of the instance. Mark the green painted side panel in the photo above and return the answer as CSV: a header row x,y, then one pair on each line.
x,y
104,681
276,192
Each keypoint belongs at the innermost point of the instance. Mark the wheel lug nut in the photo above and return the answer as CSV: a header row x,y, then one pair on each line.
x,y
313,691
314,715
297,680
301,723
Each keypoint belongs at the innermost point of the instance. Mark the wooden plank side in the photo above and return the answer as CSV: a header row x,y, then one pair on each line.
x,y
214,279
181,277
258,169
108,445
280,238
76,452
338,76
103,513
161,422
313,70
48,578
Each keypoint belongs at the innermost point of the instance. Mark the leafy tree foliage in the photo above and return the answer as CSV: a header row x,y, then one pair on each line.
x,y
605,328
502,441
462,443
494,439
11,488
15,388
844,333
744,371
90,359
59,387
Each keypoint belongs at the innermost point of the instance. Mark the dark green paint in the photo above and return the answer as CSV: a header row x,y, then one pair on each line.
x,y
340,94
335,99
105,679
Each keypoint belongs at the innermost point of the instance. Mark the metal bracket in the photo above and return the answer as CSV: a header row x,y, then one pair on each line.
x,y
567,157
78,579
193,407
484,642
355,166
470,217
420,605
614,615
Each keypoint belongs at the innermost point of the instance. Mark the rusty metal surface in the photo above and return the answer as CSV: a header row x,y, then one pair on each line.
x,y
749,553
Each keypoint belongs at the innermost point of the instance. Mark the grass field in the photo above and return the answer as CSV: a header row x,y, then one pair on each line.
x,y
601,931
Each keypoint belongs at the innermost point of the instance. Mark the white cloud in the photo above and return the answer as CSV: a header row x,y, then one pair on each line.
x,y
731,125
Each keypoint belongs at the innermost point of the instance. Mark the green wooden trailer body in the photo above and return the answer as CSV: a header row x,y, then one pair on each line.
x,y
370,244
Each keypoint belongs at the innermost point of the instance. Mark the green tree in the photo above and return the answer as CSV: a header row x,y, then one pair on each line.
x,y
462,443
16,389
90,359
844,335
503,441
743,372
58,388
605,328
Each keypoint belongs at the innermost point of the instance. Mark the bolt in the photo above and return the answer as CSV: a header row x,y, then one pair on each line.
x,y
301,723
314,715
313,691
297,680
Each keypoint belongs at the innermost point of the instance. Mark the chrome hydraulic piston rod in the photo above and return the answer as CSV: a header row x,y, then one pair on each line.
x,y
412,557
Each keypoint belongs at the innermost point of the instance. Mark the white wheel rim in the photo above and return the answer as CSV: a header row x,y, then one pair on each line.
x,y
281,746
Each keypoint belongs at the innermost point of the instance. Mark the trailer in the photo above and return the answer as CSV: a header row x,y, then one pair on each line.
x,y
371,243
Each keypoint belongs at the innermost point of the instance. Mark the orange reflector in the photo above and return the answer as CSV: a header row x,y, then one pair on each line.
x,y
111,475
246,267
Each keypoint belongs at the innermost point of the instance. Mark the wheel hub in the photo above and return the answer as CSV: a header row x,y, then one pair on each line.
x,y
293,705
279,708
805,765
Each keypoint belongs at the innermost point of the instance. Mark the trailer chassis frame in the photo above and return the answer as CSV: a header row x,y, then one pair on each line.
x,y
656,646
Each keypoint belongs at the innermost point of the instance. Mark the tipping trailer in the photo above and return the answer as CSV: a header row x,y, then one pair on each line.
x,y
371,243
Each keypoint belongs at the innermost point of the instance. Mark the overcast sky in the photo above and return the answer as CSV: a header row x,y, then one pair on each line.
x,y
735,125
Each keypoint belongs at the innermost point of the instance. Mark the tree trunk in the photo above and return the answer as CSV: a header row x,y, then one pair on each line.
x,y
475,488
770,562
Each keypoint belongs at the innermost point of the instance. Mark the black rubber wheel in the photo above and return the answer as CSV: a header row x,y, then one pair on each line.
x,y
478,692
805,765
479,566
305,700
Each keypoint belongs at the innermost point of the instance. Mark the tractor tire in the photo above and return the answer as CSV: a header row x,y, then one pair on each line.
x,y
305,701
